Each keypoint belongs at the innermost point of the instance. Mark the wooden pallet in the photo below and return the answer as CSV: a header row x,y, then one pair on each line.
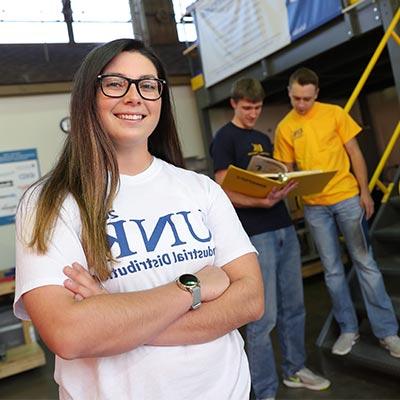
x,y
26,356
21,358
311,268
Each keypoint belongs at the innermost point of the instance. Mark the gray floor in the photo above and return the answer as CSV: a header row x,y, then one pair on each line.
x,y
348,382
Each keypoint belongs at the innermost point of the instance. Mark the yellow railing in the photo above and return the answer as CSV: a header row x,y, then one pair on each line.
x,y
375,177
374,59
396,134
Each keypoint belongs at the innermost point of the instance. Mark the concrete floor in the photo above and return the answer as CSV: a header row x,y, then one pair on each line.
x,y
348,382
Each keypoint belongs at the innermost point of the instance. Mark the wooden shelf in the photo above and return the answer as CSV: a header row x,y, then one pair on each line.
x,y
26,356
311,268
315,267
22,358
7,287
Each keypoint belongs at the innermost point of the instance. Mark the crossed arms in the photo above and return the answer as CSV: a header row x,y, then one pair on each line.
x,y
105,324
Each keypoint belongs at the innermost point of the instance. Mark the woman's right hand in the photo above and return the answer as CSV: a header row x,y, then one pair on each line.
x,y
213,282
81,283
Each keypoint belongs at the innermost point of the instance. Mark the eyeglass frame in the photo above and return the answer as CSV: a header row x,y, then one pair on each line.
x,y
130,82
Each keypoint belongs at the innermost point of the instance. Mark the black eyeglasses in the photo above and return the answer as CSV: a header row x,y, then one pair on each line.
x,y
118,86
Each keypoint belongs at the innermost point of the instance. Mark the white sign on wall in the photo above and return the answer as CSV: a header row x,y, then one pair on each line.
x,y
234,34
18,170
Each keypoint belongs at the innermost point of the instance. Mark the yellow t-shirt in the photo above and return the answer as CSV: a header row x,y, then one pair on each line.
x,y
316,141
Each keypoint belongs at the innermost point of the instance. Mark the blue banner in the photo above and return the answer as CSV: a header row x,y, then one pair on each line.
x,y
306,15
17,156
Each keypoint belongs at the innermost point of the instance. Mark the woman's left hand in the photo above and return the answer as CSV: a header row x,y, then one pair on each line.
x,y
81,283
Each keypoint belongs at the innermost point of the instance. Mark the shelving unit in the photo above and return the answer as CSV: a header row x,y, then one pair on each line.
x,y
27,356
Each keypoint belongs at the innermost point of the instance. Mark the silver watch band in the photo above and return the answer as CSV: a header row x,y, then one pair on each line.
x,y
196,294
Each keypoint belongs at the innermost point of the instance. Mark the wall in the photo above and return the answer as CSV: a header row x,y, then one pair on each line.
x,y
33,122
30,122
187,121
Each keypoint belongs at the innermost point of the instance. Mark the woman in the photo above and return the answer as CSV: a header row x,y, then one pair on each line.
x,y
118,203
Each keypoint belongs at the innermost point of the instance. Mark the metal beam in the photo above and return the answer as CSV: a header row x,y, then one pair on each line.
x,y
139,21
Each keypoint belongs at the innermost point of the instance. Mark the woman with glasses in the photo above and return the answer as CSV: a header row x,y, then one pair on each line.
x,y
135,272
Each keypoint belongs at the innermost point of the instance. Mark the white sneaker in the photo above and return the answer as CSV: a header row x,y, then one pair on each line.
x,y
305,378
344,343
392,343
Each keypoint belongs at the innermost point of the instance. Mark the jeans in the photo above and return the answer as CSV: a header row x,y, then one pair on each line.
x,y
279,258
347,216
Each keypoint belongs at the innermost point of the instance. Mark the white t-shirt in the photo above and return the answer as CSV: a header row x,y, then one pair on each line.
x,y
165,222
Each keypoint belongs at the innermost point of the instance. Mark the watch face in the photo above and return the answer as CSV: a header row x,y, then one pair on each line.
x,y
189,280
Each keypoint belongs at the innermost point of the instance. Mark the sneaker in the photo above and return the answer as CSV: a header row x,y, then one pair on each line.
x,y
344,343
392,343
307,379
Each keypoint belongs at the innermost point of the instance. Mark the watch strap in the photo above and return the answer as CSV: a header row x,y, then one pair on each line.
x,y
196,295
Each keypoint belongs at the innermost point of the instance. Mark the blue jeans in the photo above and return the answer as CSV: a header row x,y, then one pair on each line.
x,y
347,216
279,257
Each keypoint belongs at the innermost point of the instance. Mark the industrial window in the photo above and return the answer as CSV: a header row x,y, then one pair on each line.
x,y
184,22
27,21
43,21
97,21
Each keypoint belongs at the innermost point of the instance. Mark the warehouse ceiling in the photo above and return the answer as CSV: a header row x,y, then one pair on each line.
x,y
339,68
36,64
49,63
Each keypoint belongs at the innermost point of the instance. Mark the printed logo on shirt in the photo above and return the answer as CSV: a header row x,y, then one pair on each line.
x,y
258,150
298,133
158,244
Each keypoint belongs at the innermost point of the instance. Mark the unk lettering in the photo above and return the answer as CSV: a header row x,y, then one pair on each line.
x,y
152,237
189,225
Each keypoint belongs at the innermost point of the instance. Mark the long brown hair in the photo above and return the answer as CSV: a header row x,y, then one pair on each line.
x,y
87,168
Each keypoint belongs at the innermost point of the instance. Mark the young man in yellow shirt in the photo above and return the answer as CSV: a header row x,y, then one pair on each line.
x,y
271,231
316,135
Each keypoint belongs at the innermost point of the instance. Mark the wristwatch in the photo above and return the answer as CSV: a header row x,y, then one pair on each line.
x,y
190,283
